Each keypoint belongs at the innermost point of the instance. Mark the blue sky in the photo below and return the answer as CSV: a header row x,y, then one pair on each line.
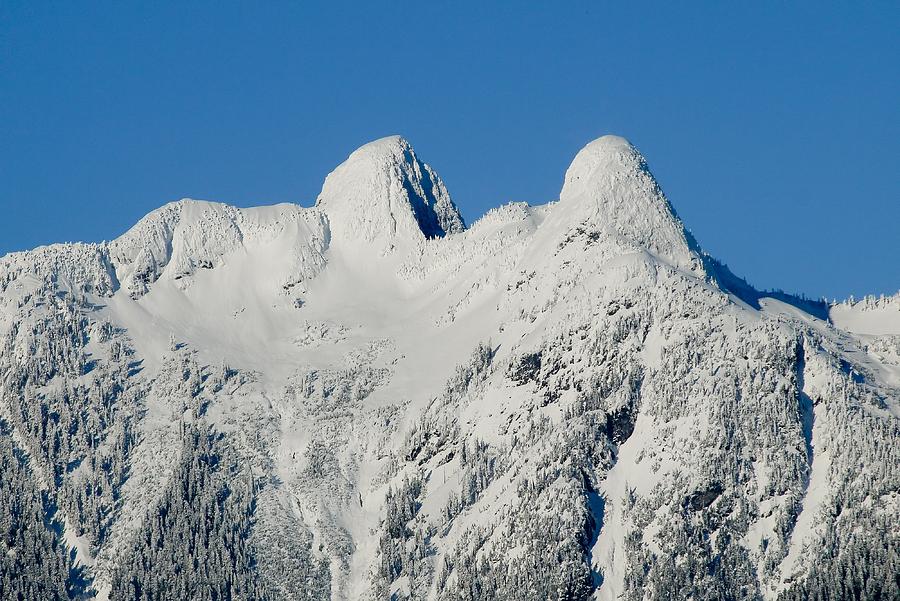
x,y
772,127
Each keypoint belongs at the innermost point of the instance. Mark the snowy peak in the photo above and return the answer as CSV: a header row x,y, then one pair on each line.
x,y
610,185
383,192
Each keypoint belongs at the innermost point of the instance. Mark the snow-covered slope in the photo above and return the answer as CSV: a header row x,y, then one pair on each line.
x,y
366,399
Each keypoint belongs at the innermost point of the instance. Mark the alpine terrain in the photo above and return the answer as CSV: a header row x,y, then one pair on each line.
x,y
367,399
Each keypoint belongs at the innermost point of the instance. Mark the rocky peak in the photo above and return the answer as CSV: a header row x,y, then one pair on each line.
x,y
610,184
384,192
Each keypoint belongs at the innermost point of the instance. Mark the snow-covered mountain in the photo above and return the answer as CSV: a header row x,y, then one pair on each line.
x,y
367,400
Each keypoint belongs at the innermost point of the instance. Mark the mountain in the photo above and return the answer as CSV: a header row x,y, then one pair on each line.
x,y
365,399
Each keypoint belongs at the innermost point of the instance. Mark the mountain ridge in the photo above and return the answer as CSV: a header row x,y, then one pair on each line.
x,y
567,401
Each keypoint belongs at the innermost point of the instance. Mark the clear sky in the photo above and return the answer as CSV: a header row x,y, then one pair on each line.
x,y
773,127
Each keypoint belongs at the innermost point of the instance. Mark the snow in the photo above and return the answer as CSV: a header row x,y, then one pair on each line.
x,y
383,192
608,552
608,184
879,318
382,284
818,490
653,347
79,544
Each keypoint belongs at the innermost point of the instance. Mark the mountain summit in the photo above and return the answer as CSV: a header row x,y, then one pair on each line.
x,y
610,184
383,192
365,399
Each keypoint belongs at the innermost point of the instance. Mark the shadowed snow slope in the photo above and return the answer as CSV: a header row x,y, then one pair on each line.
x,y
366,400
